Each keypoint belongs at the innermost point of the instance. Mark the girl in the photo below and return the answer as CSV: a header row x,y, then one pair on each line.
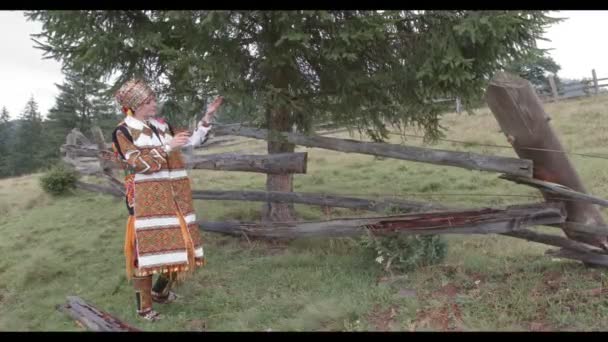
x,y
162,235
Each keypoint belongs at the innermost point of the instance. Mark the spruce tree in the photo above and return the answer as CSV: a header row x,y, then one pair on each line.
x,y
28,143
5,143
366,70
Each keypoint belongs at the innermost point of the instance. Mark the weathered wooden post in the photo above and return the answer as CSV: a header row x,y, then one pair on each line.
x,y
458,105
553,88
596,88
522,118
106,165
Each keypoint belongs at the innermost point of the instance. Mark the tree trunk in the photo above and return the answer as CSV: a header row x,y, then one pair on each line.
x,y
284,212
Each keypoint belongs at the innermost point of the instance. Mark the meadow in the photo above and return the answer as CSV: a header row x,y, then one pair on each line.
x,y
52,247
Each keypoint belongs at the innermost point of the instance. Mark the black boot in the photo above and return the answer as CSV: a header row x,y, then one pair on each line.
x,y
161,291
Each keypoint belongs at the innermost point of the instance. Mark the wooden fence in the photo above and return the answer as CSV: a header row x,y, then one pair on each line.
x,y
522,118
553,93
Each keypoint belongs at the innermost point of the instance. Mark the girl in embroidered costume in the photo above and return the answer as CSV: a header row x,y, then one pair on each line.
x,y
162,235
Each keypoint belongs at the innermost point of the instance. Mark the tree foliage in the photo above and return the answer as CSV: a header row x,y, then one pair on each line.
x,y
28,145
83,101
5,142
363,69
366,70
535,68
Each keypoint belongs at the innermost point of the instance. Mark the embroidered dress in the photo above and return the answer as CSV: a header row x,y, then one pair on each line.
x,y
162,233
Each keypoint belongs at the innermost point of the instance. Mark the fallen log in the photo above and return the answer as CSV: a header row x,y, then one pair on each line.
x,y
482,221
91,318
466,160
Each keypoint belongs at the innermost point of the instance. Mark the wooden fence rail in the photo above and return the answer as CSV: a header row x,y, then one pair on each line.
x,y
380,205
589,87
520,116
84,158
466,160
472,221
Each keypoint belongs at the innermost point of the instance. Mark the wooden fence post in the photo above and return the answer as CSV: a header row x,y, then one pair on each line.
x,y
522,118
596,88
458,105
106,165
553,88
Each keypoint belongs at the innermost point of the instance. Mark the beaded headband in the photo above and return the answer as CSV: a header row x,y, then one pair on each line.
x,y
133,94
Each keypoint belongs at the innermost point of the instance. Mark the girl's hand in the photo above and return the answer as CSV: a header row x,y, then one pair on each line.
x,y
213,107
179,140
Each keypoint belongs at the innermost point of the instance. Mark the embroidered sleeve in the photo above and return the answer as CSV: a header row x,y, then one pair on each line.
x,y
199,136
142,161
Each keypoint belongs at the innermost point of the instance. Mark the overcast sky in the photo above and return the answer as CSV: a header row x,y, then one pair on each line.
x,y
24,73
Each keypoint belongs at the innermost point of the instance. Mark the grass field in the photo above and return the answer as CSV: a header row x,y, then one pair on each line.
x,y
54,247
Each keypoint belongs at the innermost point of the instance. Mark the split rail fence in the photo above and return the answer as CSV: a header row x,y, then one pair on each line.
x,y
521,116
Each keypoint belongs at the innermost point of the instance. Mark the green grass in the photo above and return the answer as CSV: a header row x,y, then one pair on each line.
x,y
72,245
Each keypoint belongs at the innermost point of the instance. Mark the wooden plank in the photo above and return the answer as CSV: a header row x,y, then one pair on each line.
x,y
586,228
595,259
466,160
523,120
474,221
92,318
557,189
279,163
380,205
553,240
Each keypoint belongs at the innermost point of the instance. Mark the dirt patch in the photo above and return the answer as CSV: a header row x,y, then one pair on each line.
x,y
197,325
449,270
382,319
449,290
596,292
476,277
446,318
539,326
552,281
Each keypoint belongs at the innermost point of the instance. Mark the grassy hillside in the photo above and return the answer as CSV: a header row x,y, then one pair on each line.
x,y
54,247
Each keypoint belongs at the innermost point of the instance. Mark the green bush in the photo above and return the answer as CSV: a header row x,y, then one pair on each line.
x,y
405,252
58,180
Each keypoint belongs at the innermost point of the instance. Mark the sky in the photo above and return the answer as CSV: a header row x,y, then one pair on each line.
x,y
23,72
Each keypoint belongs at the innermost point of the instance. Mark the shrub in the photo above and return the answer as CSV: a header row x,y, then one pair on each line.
x,y
405,252
58,180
